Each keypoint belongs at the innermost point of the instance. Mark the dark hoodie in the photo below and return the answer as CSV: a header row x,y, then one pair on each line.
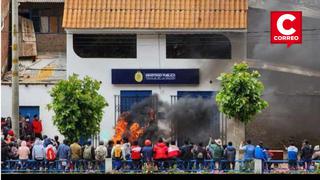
x,y
306,152
160,151
230,153
5,149
186,153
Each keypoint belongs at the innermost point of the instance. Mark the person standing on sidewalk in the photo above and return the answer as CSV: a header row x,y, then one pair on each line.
x,y
100,155
306,154
260,153
37,126
216,152
230,154
292,156
76,154
248,155
63,154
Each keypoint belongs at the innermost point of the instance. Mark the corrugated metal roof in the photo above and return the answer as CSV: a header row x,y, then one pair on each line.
x,y
48,68
42,1
155,14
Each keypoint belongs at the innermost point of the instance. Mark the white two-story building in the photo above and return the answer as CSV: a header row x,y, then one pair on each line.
x,y
141,47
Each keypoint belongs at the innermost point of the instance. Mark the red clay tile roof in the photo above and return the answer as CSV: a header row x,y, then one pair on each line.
x,y
155,14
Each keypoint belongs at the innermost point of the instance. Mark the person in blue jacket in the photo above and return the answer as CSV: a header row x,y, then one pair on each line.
x,y
63,155
260,153
248,157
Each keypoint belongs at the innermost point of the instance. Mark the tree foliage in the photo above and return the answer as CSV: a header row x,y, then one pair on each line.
x,y
77,106
240,94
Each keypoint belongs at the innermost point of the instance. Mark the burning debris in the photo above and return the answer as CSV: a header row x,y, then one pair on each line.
x,y
141,122
189,119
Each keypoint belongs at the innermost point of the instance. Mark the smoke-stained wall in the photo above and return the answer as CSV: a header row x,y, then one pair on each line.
x,y
294,100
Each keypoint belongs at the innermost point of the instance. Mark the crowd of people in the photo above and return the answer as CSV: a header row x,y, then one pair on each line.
x,y
165,155
160,155
46,151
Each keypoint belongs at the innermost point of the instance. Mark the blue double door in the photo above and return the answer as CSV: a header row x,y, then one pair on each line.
x,y
130,98
29,111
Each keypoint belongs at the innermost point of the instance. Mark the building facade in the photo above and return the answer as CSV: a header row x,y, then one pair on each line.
x,y
119,40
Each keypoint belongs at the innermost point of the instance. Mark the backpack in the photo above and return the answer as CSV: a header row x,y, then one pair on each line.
x,y
13,154
200,154
51,155
118,152
186,152
217,151
38,152
100,153
135,153
307,152
250,150
230,153
87,153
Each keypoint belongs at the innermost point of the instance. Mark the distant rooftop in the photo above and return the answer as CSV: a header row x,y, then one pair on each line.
x,y
48,68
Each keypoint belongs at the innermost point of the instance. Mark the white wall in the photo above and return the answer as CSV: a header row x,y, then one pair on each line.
x,y
33,95
151,53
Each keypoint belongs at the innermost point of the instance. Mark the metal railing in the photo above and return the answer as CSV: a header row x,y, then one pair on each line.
x,y
57,166
85,166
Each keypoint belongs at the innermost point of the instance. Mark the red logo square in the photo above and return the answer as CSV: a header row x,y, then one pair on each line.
x,y
286,27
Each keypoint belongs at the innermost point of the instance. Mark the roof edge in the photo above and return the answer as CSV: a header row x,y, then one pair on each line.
x,y
120,31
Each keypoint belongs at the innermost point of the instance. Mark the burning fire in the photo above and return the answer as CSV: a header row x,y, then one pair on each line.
x,y
120,129
133,133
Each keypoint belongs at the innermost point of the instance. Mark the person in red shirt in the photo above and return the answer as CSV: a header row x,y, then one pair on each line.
x,y
136,155
173,153
37,127
160,153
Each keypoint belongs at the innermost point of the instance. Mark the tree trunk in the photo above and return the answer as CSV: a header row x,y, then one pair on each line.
x,y
235,133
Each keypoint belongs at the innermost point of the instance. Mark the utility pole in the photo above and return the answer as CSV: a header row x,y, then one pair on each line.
x,y
15,67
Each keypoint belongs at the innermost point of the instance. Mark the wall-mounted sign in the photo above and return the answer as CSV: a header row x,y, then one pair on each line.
x,y
155,76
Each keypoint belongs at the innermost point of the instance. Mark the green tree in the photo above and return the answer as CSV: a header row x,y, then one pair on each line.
x,y
240,94
77,106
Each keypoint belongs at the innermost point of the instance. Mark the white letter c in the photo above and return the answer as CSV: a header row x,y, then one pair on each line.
x,y
280,27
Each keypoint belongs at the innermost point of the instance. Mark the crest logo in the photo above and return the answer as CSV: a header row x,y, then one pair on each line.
x,y
138,76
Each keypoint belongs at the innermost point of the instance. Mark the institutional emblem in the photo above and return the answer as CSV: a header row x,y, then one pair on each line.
x,y
138,76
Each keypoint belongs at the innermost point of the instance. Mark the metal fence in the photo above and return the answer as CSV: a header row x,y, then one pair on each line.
x,y
84,166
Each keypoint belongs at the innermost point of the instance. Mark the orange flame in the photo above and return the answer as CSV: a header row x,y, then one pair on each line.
x,y
120,129
135,132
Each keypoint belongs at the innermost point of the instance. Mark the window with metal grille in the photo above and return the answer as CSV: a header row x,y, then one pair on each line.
x,y
105,46
198,46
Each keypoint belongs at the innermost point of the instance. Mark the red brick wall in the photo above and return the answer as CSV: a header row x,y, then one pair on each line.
x,y
51,42
4,36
